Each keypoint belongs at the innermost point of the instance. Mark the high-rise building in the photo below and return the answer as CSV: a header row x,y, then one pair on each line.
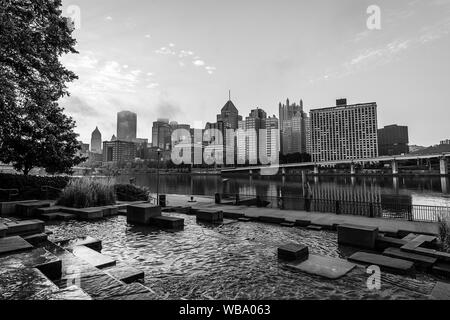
x,y
272,145
96,141
344,132
126,125
162,134
119,151
447,141
293,128
308,134
393,140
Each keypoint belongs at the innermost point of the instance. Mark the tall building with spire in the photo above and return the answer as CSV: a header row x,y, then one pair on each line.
x,y
126,126
293,128
96,141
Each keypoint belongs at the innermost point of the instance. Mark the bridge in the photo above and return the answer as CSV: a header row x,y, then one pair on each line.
x,y
392,160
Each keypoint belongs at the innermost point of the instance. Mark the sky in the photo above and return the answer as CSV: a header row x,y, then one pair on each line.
x,y
178,59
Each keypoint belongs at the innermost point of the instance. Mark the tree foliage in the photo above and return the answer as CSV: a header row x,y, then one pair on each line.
x,y
34,131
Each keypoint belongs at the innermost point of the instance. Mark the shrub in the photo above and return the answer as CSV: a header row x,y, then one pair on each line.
x,y
30,186
88,192
129,192
444,234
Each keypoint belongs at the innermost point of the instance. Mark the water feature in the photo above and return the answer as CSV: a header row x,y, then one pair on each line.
x,y
233,261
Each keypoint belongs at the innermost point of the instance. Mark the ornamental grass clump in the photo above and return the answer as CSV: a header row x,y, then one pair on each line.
x,y
88,192
444,234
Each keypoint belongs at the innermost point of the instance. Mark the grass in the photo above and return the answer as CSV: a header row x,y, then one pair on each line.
x,y
444,234
129,192
88,192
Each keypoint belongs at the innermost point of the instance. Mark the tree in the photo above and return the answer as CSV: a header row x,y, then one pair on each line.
x,y
34,131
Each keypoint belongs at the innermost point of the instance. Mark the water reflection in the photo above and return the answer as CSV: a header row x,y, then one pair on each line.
x,y
414,190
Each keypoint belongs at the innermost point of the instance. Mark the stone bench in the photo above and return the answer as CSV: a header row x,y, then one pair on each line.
x,y
293,252
357,236
142,213
393,265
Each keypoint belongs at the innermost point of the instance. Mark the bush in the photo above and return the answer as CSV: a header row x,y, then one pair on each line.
x,y
88,192
30,186
444,234
129,192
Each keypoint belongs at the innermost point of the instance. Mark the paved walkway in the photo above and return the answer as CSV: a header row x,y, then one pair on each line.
x,y
318,218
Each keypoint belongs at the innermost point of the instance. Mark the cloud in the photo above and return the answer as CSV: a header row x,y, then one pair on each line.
x,y
147,36
198,63
165,51
108,18
152,85
168,109
78,106
210,69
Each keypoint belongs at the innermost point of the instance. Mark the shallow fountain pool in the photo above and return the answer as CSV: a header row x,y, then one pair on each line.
x,y
233,261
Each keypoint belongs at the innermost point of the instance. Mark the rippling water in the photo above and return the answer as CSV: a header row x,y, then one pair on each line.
x,y
233,261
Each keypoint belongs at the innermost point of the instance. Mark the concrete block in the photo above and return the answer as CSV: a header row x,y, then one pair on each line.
x,y
29,209
87,241
210,216
440,256
441,291
384,242
293,252
15,244
142,213
388,264
287,224
233,215
357,236
244,219
45,210
442,269
302,223
327,267
65,216
167,222
48,216
36,239
25,227
314,227
269,219
93,257
3,230
126,274
9,208
420,261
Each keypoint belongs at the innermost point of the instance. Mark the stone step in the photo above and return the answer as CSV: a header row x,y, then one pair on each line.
x,y
357,236
110,211
293,252
3,229
66,216
271,219
210,216
244,219
133,291
327,267
420,261
384,242
9,208
167,222
142,213
440,256
24,227
314,227
125,273
49,216
441,291
288,224
442,269
410,237
93,257
122,212
36,239
393,265
29,209
46,210
302,223
85,213
87,241
14,244
233,215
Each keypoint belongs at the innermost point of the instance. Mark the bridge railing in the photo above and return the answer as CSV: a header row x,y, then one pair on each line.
x,y
387,210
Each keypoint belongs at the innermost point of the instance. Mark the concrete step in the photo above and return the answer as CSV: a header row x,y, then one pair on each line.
x,y
271,219
125,273
14,244
29,209
233,215
302,223
3,229
87,241
85,213
384,242
244,219
93,257
442,269
439,255
167,222
36,239
327,267
48,216
441,291
23,227
46,210
420,261
388,264
288,224
314,227
9,208
209,215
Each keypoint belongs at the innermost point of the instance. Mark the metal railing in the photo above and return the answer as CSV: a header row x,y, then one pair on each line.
x,y
387,210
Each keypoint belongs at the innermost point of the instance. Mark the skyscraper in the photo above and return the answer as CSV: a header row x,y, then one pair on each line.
x,y
393,140
96,141
293,129
126,125
162,134
344,132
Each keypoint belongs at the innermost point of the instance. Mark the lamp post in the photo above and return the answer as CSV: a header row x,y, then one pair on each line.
x,y
157,177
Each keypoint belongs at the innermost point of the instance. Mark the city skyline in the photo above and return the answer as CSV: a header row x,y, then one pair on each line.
x,y
163,62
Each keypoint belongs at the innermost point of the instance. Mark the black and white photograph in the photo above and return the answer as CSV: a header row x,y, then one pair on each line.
x,y
223,157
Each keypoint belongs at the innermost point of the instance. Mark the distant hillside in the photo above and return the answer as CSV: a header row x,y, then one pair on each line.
x,y
432,150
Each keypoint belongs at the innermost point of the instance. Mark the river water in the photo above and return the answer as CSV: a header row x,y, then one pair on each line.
x,y
429,191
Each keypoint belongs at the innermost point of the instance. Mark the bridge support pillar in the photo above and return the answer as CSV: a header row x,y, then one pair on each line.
x,y
283,171
303,177
444,184
444,166
394,166
352,169
316,169
250,172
